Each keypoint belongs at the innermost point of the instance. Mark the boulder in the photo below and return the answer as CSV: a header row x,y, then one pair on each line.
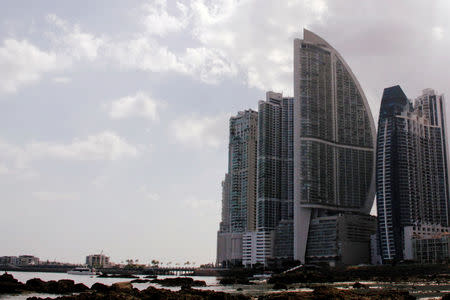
x,y
36,285
122,286
100,287
8,284
359,285
279,286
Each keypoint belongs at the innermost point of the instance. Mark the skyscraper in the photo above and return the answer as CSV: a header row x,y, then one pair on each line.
x,y
334,145
274,236
411,171
239,187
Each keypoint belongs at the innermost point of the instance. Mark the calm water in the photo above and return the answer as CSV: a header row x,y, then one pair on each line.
x,y
212,282
431,290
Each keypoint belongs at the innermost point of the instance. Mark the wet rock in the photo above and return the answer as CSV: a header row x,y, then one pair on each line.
x,y
80,287
359,285
122,286
100,287
178,281
36,285
8,284
279,286
140,280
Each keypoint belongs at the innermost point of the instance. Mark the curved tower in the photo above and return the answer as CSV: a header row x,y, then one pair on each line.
x,y
334,156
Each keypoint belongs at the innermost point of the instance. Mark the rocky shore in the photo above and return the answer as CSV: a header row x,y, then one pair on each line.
x,y
126,291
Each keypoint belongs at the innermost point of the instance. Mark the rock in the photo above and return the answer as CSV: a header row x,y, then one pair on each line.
x,y
359,285
36,285
151,276
199,283
140,280
8,284
279,286
178,281
65,286
80,287
100,287
122,286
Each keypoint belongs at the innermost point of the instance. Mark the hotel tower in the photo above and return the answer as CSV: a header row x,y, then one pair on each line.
x,y
334,157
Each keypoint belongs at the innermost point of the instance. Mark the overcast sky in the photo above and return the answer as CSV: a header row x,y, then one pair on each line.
x,y
114,114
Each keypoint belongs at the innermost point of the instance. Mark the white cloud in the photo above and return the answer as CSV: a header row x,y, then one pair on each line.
x,y
197,132
159,22
438,33
138,105
16,160
73,41
144,53
61,79
103,146
209,65
22,63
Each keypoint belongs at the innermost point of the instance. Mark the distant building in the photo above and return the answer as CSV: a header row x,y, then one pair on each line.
x,y
238,188
412,175
27,260
334,155
8,260
97,261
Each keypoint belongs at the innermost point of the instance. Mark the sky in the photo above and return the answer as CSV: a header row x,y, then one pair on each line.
x,y
114,114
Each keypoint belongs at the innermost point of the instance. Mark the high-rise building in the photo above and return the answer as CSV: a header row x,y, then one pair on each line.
x,y
274,237
238,188
334,145
411,171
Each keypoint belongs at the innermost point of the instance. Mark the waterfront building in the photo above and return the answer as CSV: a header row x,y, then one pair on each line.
x,y
334,147
412,174
238,188
97,261
8,260
27,260
274,237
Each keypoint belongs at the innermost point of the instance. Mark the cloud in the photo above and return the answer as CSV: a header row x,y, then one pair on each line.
x,y
107,145
138,105
22,63
74,42
104,146
159,22
61,79
195,131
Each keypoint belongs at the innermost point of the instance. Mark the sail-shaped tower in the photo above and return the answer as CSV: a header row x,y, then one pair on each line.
x,y
334,157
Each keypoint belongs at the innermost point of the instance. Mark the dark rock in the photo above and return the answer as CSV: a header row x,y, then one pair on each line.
x,y
198,283
359,285
100,287
279,286
122,286
8,284
36,285
178,281
80,287
151,276
140,280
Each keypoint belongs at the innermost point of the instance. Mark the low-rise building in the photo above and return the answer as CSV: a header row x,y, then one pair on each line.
x,y
427,243
8,260
27,260
97,261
